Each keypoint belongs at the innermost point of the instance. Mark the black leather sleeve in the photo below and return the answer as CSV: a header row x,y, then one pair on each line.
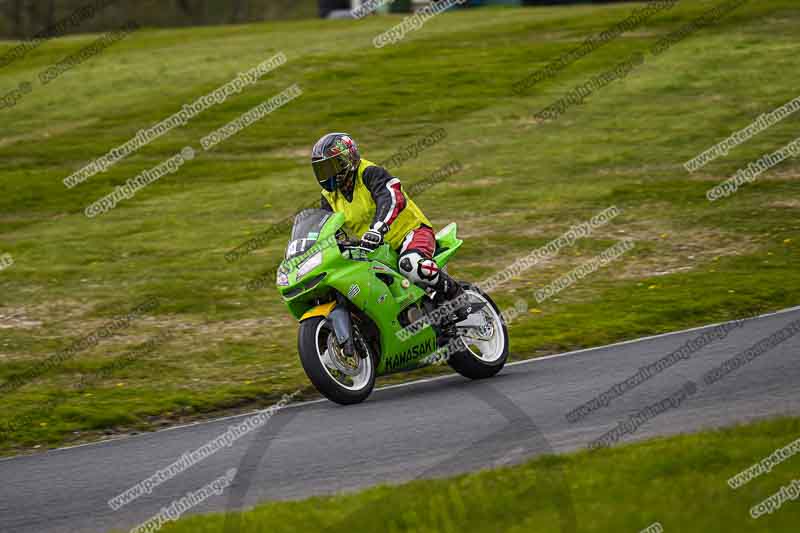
x,y
387,191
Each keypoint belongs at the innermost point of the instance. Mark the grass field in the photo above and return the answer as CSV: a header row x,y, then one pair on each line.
x,y
525,181
678,482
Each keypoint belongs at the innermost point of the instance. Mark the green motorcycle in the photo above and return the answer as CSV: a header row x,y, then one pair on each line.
x,y
360,318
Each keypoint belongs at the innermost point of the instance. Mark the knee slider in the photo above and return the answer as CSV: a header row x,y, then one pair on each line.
x,y
419,269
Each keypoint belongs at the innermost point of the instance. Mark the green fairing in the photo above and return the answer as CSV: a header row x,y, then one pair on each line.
x,y
356,280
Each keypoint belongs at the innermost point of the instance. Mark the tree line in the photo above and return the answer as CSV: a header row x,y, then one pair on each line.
x,y
27,19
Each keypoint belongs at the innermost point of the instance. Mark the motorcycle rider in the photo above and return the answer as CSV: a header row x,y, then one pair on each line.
x,y
376,207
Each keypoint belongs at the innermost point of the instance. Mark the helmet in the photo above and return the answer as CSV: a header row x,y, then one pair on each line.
x,y
335,159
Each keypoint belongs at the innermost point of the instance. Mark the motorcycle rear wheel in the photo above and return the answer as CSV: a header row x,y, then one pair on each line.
x,y
485,357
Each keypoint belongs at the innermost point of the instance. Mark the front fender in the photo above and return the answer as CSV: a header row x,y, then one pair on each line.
x,y
320,310
339,318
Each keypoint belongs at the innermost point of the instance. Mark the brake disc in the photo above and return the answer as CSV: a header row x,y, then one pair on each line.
x,y
339,360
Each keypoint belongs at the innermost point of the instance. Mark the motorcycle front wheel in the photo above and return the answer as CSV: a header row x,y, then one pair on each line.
x,y
341,379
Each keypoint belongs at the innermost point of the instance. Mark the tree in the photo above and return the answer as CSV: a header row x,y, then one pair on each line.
x,y
50,16
17,9
236,12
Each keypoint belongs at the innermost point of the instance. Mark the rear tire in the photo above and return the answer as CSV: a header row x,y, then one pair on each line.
x,y
468,362
333,384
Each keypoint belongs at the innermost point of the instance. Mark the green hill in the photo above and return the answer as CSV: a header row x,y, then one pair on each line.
x,y
524,181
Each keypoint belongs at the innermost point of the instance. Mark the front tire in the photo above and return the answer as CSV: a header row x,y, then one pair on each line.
x,y
487,352
345,388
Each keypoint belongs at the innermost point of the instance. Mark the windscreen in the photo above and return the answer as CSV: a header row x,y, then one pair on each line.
x,y
306,229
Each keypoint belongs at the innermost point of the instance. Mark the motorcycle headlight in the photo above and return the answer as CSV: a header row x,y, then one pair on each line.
x,y
283,278
309,264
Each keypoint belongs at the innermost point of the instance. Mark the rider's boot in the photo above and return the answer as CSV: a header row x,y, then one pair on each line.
x,y
426,274
450,293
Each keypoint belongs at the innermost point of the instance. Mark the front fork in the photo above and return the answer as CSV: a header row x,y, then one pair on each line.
x,y
342,324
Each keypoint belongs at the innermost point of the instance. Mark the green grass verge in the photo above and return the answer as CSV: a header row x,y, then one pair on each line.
x,y
524,183
679,482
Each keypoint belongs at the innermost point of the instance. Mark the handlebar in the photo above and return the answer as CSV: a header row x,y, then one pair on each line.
x,y
350,245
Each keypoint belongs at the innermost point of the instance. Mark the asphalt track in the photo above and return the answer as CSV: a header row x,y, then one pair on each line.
x,y
430,428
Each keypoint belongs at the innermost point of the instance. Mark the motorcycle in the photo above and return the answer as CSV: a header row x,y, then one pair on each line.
x,y
361,319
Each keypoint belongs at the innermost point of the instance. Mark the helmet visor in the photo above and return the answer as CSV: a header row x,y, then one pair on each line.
x,y
326,171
